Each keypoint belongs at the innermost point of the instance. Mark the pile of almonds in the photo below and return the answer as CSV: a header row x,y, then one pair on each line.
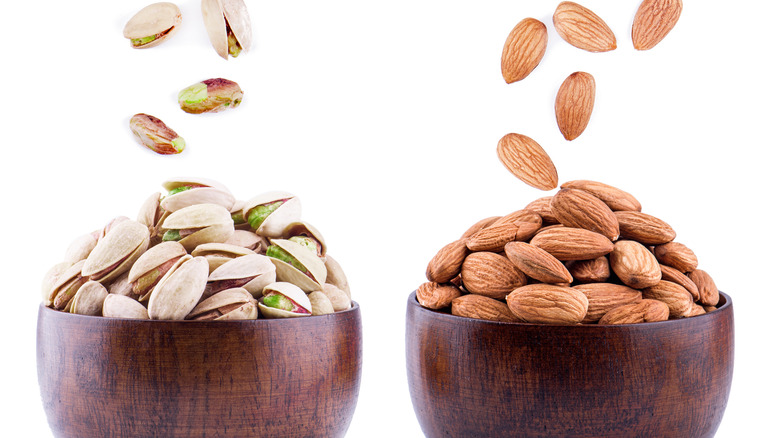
x,y
588,254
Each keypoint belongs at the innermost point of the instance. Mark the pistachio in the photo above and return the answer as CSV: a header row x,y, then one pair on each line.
x,y
270,213
156,135
197,224
338,298
305,234
297,264
252,272
50,280
336,275
229,304
211,95
228,26
80,248
89,299
320,304
117,251
184,192
180,289
152,25
66,286
120,306
150,268
284,300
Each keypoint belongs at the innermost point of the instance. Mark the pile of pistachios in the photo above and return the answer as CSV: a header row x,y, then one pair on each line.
x,y
195,252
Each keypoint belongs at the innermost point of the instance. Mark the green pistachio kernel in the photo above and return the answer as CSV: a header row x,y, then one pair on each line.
x,y
278,253
142,41
178,144
194,94
171,235
145,281
260,213
179,190
238,218
233,48
306,242
278,301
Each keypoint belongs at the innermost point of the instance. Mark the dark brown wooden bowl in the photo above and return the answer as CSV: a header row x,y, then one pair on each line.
x,y
472,378
106,377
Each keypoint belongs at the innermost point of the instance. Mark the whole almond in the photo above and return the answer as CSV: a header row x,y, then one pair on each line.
x,y
634,264
669,273
646,310
676,255
537,263
481,307
590,271
566,243
492,238
615,198
644,228
480,225
548,304
574,104
523,215
541,206
678,299
526,160
653,21
489,274
523,49
582,28
436,296
579,209
445,265
603,297
708,291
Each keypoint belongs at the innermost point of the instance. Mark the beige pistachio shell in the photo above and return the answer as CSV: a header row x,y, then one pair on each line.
x,y
120,306
154,257
337,297
229,304
254,265
158,18
276,222
306,229
320,304
197,216
117,251
110,225
249,240
218,15
212,193
122,286
219,253
212,234
89,299
290,291
286,272
66,286
179,291
50,279
80,248
152,216
336,275
237,213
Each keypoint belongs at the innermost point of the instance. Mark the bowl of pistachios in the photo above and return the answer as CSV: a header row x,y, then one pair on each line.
x,y
205,316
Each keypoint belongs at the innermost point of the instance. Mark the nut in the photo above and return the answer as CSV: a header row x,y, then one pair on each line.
x,y
152,25
653,21
481,307
523,49
548,304
156,135
436,296
582,28
489,274
526,160
211,95
634,264
645,310
574,104
580,209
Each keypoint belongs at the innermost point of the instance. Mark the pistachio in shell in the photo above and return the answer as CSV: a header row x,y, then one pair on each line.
x,y
210,96
66,286
336,275
297,264
252,272
179,291
220,253
122,286
89,299
229,304
338,298
198,224
50,279
284,300
249,240
117,251
120,306
228,26
152,25
305,233
150,268
270,213
80,248
184,192
320,304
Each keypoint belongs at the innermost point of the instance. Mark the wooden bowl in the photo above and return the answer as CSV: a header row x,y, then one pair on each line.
x,y
478,378
107,377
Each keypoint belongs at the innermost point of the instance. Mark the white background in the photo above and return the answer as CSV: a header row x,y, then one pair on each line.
x,y
384,117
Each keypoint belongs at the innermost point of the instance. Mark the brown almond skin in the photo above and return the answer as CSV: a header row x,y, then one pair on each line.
x,y
615,198
436,296
524,216
528,161
481,307
566,243
603,297
708,291
492,238
480,225
446,264
653,21
548,304
490,274
669,273
579,209
634,264
676,255
644,228
678,299
590,271
523,50
646,310
574,104
541,206
582,28
537,263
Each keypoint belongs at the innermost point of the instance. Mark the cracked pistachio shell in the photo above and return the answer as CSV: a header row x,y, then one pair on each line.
x,y
179,291
237,213
254,265
204,191
249,240
50,280
120,306
279,219
66,286
320,304
220,253
229,304
89,299
287,272
212,221
221,15
101,233
152,25
122,286
306,229
290,291
336,275
80,248
338,298
162,257
152,215
115,253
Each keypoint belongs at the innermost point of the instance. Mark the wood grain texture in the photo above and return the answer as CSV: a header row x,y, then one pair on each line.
x,y
478,378
106,377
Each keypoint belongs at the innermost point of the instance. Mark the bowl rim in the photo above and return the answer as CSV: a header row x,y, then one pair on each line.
x,y
355,308
724,302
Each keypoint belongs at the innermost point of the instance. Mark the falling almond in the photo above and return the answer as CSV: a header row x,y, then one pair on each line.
x,y
582,28
523,49
574,104
653,21
526,159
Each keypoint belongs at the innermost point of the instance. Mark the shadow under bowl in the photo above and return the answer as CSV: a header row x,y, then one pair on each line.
x,y
469,377
108,377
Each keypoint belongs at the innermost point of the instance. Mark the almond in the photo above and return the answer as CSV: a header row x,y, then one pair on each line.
x,y
548,304
523,215
590,271
523,49
579,209
669,273
489,274
436,296
481,307
492,238
615,198
541,206
644,228
574,104
526,159
480,225
582,28
676,255
645,310
566,243
653,21
537,263
634,264
675,296
603,297
708,291
445,265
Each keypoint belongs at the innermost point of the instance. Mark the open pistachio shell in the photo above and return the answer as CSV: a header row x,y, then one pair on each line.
x,y
210,223
279,219
336,275
320,304
152,25
306,229
203,191
223,17
149,269
115,253
66,286
249,240
122,286
313,264
219,253
89,299
229,304
252,272
120,306
337,297
290,291
179,291
50,279
80,248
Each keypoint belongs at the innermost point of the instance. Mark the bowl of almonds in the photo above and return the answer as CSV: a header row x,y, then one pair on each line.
x,y
205,316
577,315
